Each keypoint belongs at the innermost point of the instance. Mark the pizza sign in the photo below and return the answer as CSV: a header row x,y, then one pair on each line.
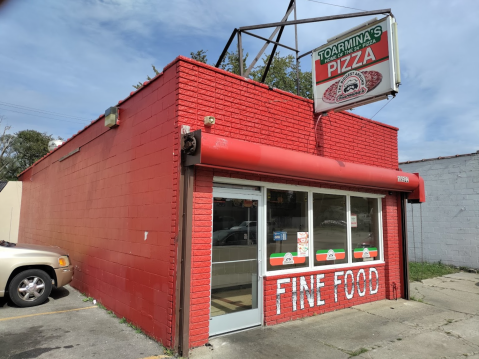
x,y
357,68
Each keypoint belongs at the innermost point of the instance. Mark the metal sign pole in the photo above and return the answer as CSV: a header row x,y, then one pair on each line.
x,y
297,52
240,53
260,53
279,29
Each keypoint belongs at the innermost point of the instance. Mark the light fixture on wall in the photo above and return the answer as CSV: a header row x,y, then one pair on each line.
x,y
112,117
209,121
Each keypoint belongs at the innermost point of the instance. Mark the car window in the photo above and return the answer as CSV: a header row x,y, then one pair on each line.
x,y
236,238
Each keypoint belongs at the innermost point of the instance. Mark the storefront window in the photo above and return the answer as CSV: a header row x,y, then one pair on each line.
x,y
331,239
365,229
287,230
330,231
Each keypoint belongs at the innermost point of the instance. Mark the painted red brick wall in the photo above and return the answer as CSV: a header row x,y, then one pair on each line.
x,y
201,258
393,247
98,204
250,111
293,303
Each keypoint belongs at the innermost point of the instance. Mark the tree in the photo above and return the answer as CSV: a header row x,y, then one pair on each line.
x,y
231,62
140,85
200,56
281,74
26,147
29,146
5,139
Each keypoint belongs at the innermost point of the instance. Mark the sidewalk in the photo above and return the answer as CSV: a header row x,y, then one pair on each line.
x,y
442,322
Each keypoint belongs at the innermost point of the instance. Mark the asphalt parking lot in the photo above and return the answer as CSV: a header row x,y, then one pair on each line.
x,y
67,327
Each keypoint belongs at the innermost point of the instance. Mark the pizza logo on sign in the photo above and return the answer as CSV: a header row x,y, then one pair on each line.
x,y
331,255
352,85
288,259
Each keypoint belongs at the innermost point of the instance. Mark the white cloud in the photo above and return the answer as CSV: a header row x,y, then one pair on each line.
x,y
83,56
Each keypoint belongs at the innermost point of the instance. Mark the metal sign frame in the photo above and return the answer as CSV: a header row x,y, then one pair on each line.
x,y
279,27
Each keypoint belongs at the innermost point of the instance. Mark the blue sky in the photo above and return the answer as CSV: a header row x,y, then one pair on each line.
x,y
80,57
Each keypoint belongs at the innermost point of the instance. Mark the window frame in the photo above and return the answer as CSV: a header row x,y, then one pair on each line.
x,y
310,190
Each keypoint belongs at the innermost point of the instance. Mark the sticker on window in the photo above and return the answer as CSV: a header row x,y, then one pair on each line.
x,y
369,252
354,220
303,244
280,259
330,254
280,236
247,203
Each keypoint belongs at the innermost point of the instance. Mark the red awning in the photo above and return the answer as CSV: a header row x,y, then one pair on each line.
x,y
223,152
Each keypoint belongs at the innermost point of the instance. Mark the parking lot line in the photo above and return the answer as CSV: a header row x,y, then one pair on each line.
x,y
34,315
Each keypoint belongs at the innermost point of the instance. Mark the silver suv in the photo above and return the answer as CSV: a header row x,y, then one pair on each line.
x,y
28,272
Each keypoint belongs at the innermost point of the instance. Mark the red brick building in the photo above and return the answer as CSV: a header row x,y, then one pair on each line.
x,y
268,215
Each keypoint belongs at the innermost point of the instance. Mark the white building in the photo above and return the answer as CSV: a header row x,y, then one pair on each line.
x,y
446,227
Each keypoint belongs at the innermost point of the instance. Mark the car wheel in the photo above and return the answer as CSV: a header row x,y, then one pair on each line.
x,y
29,288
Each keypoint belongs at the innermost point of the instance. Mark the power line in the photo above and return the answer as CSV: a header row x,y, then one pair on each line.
x,y
50,118
346,7
383,106
33,109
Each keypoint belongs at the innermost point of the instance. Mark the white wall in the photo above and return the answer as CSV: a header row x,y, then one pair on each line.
x,y
10,201
449,230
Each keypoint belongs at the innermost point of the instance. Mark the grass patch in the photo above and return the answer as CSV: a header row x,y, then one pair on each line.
x,y
358,352
137,329
420,271
123,320
420,300
168,351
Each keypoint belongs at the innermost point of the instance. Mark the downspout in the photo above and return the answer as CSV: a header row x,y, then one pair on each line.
x,y
187,180
405,264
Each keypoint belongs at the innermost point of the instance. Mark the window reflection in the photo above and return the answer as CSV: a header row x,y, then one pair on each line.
x,y
364,229
287,230
330,229
234,273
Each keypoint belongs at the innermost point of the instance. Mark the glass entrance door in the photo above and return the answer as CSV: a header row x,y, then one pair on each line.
x,y
235,286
